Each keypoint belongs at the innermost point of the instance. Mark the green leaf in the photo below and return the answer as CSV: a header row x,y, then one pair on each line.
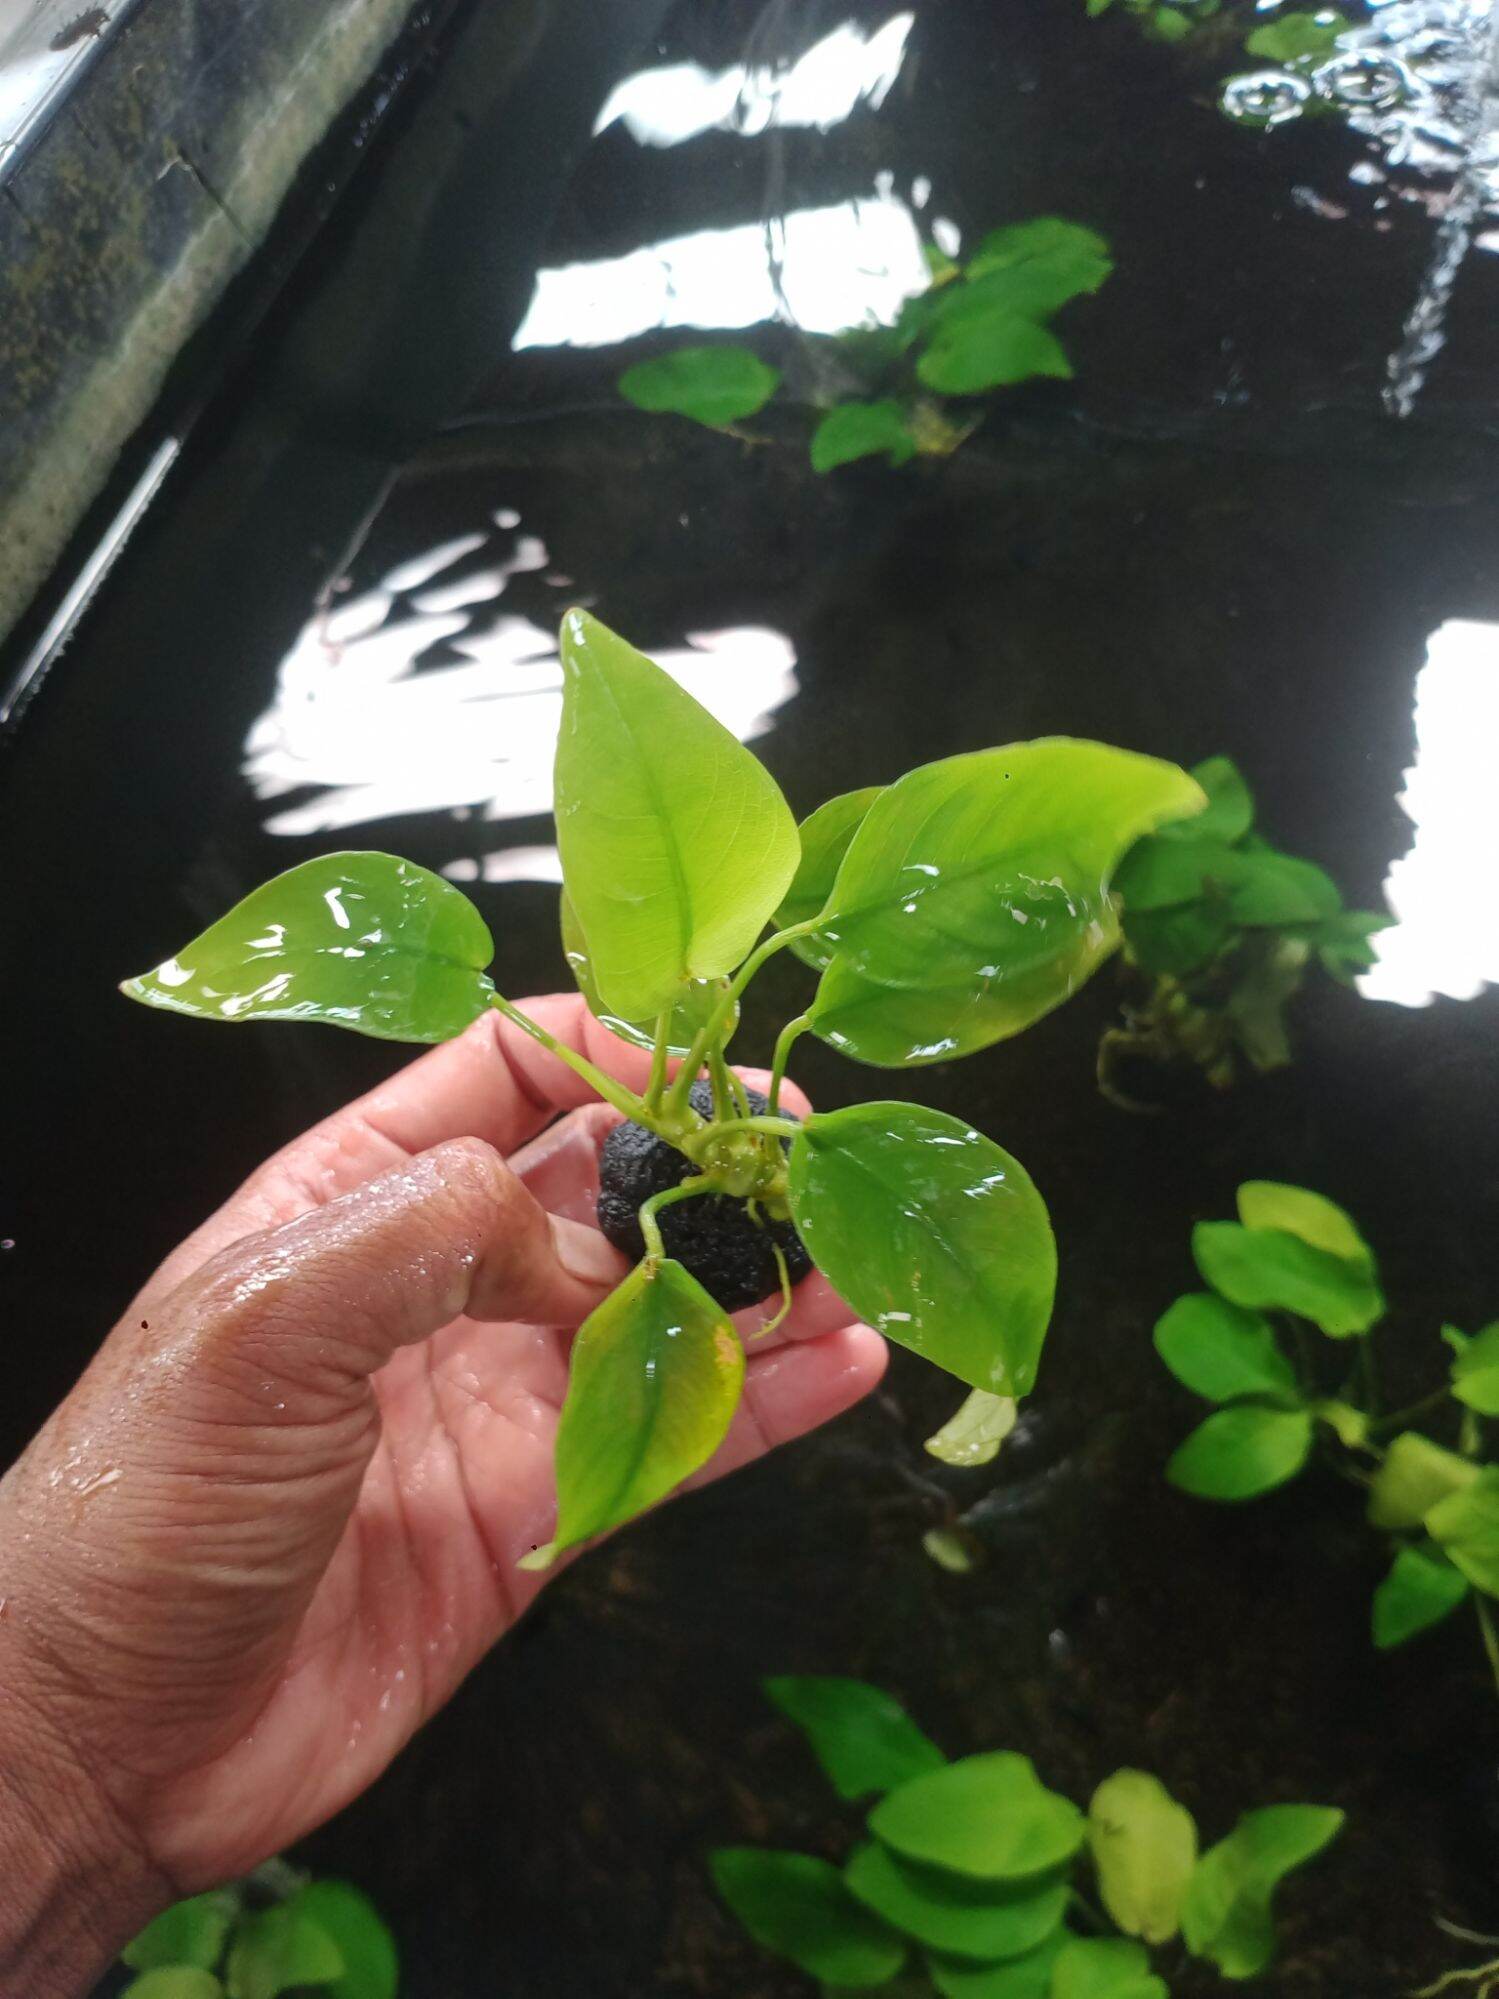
x,y
1168,24
1415,1474
973,1436
1292,38
1270,1204
1230,807
932,1234
1269,977
1421,1589
961,1917
1032,268
1227,1913
949,1550
1177,941
676,843
1475,1372
864,1740
825,837
799,1907
862,430
357,940
975,895
712,385
1342,942
990,351
987,1816
1161,873
174,1981
191,1932
371,1965
1267,890
1242,1451
1027,1977
1269,1268
1465,1525
691,1012
1220,1351
278,1949
655,1379
1144,1847
1104,1968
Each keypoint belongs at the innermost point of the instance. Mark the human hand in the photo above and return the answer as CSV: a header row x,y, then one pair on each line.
x,y
279,1518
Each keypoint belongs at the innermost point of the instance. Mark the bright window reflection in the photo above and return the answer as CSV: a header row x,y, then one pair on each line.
x,y
1442,892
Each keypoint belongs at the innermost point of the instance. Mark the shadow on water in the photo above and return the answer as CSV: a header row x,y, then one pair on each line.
x,y
1213,541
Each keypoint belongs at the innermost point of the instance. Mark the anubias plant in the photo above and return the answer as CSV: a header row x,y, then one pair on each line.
x,y
1295,1259
1219,932
278,1931
975,1870
980,325
943,913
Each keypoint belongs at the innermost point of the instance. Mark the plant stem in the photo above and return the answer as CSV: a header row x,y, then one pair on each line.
x,y
1401,1417
779,1127
711,1033
785,1041
1490,1636
658,1061
612,1092
650,1228
725,1105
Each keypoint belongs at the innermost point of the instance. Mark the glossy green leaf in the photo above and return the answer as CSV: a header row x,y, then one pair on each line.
x,y
699,997
190,1932
1227,1914
1160,873
1475,1371
358,940
1177,941
712,385
676,843
174,1981
1242,1451
1144,1847
825,837
799,1907
974,1435
862,430
864,1739
932,1234
1044,263
371,1964
1421,1589
655,1379
954,1914
974,897
1269,1268
278,1950
1465,1526
1413,1476
1104,1968
1229,812
987,1816
1027,1977
1292,38
990,351
1219,1350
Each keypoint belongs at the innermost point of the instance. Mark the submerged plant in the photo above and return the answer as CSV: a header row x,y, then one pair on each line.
x,y
1295,1259
943,913
975,1868
1220,930
981,325
278,1931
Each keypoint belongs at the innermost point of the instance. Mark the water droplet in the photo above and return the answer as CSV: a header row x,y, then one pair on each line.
x,y
1265,97
1365,82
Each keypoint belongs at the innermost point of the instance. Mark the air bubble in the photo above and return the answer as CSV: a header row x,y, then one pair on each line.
x,y
1364,82
1265,97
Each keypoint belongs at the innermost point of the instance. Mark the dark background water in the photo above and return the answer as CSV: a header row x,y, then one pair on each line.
x,y
1212,541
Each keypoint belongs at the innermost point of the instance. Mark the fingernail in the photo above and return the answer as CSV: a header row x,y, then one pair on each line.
x,y
587,1255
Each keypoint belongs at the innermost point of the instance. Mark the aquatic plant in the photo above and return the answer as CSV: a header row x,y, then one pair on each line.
x,y
975,1868
943,913
1161,20
1220,930
1295,1259
981,325
277,1931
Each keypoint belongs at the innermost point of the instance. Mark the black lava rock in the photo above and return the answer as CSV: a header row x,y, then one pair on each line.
x,y
713,1236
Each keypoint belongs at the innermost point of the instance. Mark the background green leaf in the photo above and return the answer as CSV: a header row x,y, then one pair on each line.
x,y
1026,1977
277,1950
954,1913
1421,1589
1270,1204
987,1816
712,385
371,1964
1270,1268
699,996
1414,1475
1292,38
655,1380
862,430
192,1932
932,1234
174,1981
974,1435
358,940
1475,1371
1465,1525
1047,261
991,350
676,843
1161,873
1177,941
1266,889
825,836
1227,1913
864,1739
1104,1968
1144,1847
1242,1451
1229,813
1219,1350
799,1907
